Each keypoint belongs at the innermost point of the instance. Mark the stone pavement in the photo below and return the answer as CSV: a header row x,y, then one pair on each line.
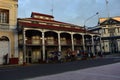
x,y
105,72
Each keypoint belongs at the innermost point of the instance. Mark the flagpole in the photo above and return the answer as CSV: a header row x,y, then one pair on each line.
x,y
52,5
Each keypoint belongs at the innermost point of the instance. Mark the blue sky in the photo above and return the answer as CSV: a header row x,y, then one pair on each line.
x,y
70,11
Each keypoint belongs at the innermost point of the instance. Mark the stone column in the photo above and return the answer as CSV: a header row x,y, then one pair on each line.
x,y
83,40
59,43
16,43
72,40
24,47
101,45
43,45
93,49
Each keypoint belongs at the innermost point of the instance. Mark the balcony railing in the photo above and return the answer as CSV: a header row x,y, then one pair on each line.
x,y
50,42
78,42
54,42
33,42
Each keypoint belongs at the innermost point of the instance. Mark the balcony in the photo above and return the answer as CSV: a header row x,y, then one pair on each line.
x,y
51,41
66,42
96,43
88,42
38,42
77,42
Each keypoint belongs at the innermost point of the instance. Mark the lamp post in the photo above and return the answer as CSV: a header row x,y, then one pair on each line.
x,y
85,30
89,19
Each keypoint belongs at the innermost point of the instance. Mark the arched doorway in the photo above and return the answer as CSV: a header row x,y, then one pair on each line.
x,y
4,50
97,45
78,43
33,46
88,45
51,43
66,43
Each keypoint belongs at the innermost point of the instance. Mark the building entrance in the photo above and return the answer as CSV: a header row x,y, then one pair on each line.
x,y
4,50
33,55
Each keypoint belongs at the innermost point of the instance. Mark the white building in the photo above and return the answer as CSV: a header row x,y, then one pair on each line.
x,y
109,28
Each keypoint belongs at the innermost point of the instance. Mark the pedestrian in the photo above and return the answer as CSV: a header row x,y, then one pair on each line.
x,y
5,58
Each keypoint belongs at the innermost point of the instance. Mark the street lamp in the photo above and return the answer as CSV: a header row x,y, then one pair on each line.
x,y
89,19
85,29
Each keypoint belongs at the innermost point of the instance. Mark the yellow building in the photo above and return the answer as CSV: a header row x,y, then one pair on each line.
x,y
8,33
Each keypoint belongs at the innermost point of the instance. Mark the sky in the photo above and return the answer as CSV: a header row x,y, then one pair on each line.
x,y
78,12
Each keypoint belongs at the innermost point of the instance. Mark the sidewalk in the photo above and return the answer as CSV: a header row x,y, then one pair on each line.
x,y
106,56
113,55
9,65
106,72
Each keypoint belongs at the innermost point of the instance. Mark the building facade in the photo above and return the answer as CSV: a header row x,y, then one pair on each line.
x,y
109,28
8,34
40,35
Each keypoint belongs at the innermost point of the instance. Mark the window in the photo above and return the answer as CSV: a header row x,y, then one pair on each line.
x,y
118,30
104,31
4,16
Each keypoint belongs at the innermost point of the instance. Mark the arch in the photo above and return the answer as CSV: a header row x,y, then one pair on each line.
x,y
4,38
65,39
97,45
64,34
33,37
33,49
30,33
96,38
4,49
51,33
51,38
77,39
77,36
87,36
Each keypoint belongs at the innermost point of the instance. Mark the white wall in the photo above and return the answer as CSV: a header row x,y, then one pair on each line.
x,y
4,49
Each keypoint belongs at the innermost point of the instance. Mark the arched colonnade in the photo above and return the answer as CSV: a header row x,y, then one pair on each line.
x,y
38,43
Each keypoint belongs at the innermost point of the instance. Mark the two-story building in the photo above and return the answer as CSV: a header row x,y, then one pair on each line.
x,y
40,35
109,28
33,39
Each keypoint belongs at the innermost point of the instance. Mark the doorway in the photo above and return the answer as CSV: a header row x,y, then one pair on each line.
x,y
33,55
4,50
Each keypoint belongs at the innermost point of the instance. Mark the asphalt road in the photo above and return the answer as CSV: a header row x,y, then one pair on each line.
x,y
36,70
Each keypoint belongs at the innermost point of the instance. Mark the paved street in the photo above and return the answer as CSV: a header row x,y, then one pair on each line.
x,y
49,71
106,72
